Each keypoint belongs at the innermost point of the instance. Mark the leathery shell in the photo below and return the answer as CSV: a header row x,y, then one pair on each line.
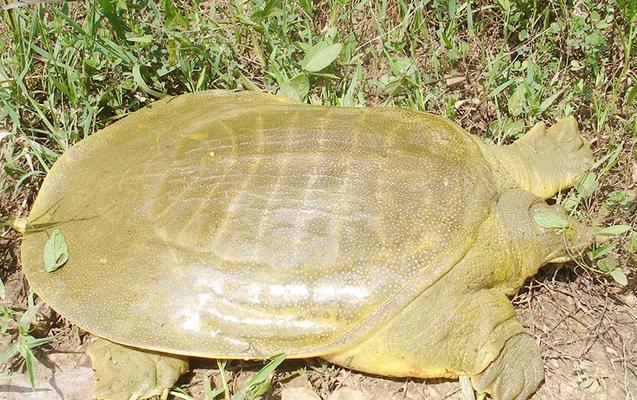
x,y
242,225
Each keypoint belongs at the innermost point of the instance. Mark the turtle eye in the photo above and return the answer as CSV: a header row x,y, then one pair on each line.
x,y
538,201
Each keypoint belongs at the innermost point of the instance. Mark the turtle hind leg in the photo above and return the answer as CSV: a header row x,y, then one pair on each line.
x,y
125,373
544,161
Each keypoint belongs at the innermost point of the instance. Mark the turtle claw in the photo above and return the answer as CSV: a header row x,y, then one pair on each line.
x,y
124,373
515,374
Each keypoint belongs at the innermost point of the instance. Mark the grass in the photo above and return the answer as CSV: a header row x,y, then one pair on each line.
x,y
19,324
254,388
496,67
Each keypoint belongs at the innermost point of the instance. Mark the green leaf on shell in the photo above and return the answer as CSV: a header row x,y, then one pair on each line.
x,y
549,220
56,251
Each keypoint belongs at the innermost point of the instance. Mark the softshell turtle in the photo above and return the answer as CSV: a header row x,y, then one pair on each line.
x,y
244,225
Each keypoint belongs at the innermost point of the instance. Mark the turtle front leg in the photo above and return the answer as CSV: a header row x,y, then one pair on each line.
x,y
446,334
125,373
544,161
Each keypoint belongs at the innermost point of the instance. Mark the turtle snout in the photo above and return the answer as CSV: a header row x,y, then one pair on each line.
x,y
563,235
573,239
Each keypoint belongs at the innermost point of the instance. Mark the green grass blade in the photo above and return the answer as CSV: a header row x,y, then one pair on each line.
x,y
11,351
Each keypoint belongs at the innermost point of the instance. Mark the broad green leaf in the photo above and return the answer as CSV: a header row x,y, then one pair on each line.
x,y
172,14
301,84
320,56
608,263
513,128
269,7
286,90
403,66
549,220
106,8
453,8
296,88
576,65
56,252
614,230
390,83
619,276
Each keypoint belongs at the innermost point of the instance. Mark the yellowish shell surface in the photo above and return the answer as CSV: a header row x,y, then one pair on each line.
x,y
241,225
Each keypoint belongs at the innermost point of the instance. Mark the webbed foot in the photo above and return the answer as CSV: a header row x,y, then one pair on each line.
x,y
125,373
515,374
545,161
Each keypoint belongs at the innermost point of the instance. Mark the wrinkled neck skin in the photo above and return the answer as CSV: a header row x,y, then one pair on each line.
x,y
530,243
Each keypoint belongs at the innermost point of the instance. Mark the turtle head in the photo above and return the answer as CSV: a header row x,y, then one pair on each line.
x,y
540,233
